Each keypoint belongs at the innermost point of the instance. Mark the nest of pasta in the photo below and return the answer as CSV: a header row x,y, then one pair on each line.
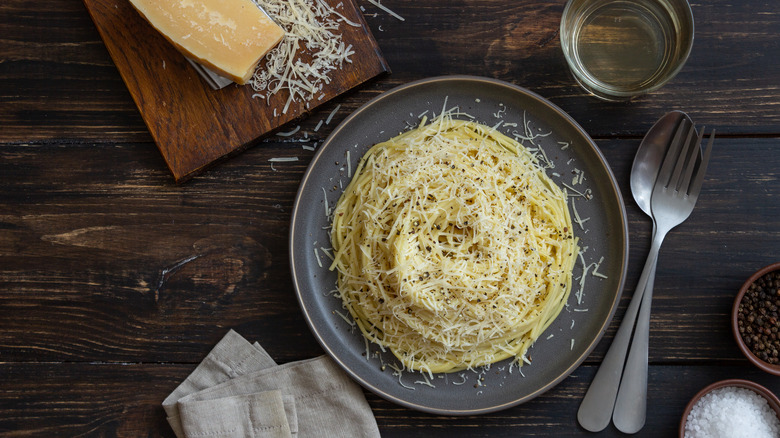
x,y
453,248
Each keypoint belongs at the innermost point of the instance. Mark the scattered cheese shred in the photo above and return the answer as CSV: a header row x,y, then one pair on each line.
x,y
332,113
327,208
585,269
386,9
399,372
327,252
317,256
344,317
595,272
462,376
425,381
289,133
577,218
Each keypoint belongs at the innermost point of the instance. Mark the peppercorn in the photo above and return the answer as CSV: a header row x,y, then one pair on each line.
x,y
758,318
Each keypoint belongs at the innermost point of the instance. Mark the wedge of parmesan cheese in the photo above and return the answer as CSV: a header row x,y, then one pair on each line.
x,y
228,36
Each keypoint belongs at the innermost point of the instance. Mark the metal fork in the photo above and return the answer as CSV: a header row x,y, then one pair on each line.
x,y
674,196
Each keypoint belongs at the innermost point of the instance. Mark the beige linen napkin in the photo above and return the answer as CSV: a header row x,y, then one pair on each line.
x,y
239,391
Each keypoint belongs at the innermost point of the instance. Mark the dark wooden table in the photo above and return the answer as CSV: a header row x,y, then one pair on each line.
x,y
115,282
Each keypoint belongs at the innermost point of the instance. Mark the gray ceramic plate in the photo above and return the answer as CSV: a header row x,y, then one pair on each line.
x,y
575,332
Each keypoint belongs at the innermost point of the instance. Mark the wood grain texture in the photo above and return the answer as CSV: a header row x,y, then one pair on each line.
x,y
195,126
136,269
115,281
33,403
58,81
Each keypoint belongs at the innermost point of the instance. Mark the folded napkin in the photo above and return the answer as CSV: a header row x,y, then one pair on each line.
x,y
239,391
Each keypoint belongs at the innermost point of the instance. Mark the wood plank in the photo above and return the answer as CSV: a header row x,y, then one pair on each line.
x,y
57,80
115,282
726,83
195,126
112,399
117,262
134,268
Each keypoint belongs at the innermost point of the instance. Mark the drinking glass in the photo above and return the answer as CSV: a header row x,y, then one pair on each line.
x,y
619,49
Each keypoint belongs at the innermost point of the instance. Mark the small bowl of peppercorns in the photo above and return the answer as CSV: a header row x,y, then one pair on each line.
x,y
755,319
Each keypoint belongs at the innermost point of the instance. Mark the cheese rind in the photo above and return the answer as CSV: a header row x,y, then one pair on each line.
x,y
227,36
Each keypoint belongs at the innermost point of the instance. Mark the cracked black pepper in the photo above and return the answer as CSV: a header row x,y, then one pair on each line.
x,y
758,318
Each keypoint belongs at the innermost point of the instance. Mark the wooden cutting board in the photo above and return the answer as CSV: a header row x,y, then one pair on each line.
x,y
193,125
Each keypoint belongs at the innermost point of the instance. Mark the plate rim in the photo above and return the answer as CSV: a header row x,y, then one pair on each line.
x,y
616,192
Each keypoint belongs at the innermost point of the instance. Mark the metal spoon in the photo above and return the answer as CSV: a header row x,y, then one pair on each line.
x,y
596,408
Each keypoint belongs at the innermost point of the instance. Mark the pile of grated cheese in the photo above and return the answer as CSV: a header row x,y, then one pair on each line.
x,y
311,49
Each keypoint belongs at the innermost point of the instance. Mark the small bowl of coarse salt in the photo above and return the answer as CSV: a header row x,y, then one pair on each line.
x,y
732,408
755,319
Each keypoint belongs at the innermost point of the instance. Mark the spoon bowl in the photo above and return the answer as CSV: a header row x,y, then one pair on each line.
x,y
649,156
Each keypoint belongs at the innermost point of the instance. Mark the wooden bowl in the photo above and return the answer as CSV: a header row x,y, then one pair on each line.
x,y
769,368
771,398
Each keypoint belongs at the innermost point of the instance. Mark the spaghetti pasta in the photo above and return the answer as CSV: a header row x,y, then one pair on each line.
x,y
453,248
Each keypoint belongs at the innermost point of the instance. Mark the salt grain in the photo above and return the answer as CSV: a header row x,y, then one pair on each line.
x,y
732,412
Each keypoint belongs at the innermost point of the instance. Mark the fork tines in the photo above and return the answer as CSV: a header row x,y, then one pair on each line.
x,y
682,156
705,159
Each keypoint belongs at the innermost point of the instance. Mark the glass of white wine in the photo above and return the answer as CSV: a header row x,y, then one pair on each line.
x,y
619,49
